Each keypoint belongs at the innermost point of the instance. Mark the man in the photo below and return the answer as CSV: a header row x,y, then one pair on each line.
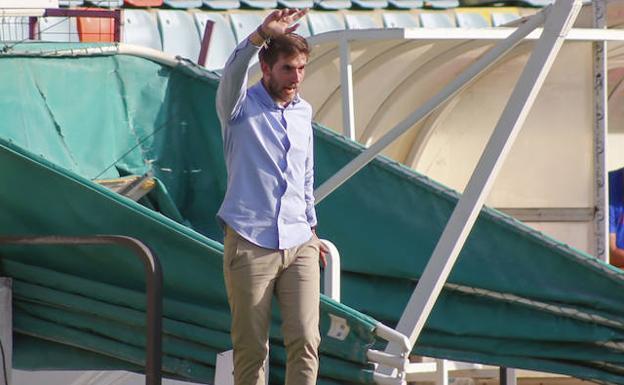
x,y
270,244
616,218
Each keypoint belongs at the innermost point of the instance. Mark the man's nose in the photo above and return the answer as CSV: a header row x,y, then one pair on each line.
x,y
297,76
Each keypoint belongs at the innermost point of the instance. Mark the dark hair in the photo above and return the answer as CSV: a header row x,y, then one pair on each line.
x,y
288,45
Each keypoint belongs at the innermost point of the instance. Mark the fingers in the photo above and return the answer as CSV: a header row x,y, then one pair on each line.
x,y
323,251
292,28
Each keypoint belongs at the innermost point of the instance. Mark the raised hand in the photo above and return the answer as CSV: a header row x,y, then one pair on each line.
x,y
282,21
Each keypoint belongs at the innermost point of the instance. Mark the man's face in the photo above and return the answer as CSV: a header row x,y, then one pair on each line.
x,y
283,79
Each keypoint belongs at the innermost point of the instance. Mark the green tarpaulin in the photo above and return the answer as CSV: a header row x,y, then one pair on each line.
x,y
515,298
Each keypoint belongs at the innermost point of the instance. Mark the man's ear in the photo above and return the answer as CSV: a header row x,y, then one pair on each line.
x,y
265,68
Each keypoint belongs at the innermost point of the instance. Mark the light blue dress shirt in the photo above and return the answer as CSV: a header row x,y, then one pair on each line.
x,y
269,158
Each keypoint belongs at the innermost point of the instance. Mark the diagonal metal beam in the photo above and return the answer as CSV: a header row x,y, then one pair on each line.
x,y
478,67
557,25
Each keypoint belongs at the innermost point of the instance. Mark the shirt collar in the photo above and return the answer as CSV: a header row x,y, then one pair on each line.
x,y
267,100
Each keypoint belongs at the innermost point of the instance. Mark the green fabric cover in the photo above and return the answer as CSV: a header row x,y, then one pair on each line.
x,y
515,297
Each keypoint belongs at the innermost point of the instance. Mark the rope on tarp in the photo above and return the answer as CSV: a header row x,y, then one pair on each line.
x,y
559,310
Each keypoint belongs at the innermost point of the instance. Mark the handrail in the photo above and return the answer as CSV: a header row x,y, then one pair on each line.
x,y
153,283
399,361
331,275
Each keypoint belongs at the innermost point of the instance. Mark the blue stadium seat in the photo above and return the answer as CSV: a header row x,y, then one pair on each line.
x,y
354,21
399,20
71,3
244,24
13,28
221,4
61,29
436,20
179,34
183,4
301,4
332,5
538,3
259,4
140,28
441,4
406,4
222,42
304,27
370,4
471,20
106,3
324,22
502,18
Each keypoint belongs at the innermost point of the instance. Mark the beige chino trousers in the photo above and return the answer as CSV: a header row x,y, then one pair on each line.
x,y
252,275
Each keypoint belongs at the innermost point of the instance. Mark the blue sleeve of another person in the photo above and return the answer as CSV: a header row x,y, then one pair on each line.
x,y
616,206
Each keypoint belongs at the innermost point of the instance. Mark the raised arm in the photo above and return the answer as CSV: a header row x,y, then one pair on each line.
x,y
233,84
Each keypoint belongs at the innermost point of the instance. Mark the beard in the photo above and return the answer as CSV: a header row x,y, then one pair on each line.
x,y
278,92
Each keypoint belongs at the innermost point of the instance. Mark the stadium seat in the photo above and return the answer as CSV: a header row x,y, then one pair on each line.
x,y
96,29
183,4
179,34
324,22
106,3
436,20
70,3
370,4
140,28
245,23
471,20
222,42
304,28
399,20
13,28
441,4
143,3
58,29
221,4
502,18
406,4
354,21
301,4
332,5
538,3
259,4
484,3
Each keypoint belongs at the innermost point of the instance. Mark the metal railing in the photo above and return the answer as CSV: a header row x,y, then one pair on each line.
x,y
153,283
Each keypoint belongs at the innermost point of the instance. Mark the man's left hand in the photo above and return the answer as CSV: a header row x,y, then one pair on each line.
x,y
323,250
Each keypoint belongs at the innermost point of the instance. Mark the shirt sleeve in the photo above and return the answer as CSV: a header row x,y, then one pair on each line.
x,y
309,183
233,84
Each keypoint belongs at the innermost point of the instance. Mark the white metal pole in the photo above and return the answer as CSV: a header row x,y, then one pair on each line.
x,y
6,330
481,65
557,25
346,89
601,185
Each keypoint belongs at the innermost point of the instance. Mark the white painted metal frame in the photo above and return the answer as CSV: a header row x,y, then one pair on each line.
x,y
560,18
601,185
481,65
331,275
346,88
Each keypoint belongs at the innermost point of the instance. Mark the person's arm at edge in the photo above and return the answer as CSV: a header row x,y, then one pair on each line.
x,y
616,255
